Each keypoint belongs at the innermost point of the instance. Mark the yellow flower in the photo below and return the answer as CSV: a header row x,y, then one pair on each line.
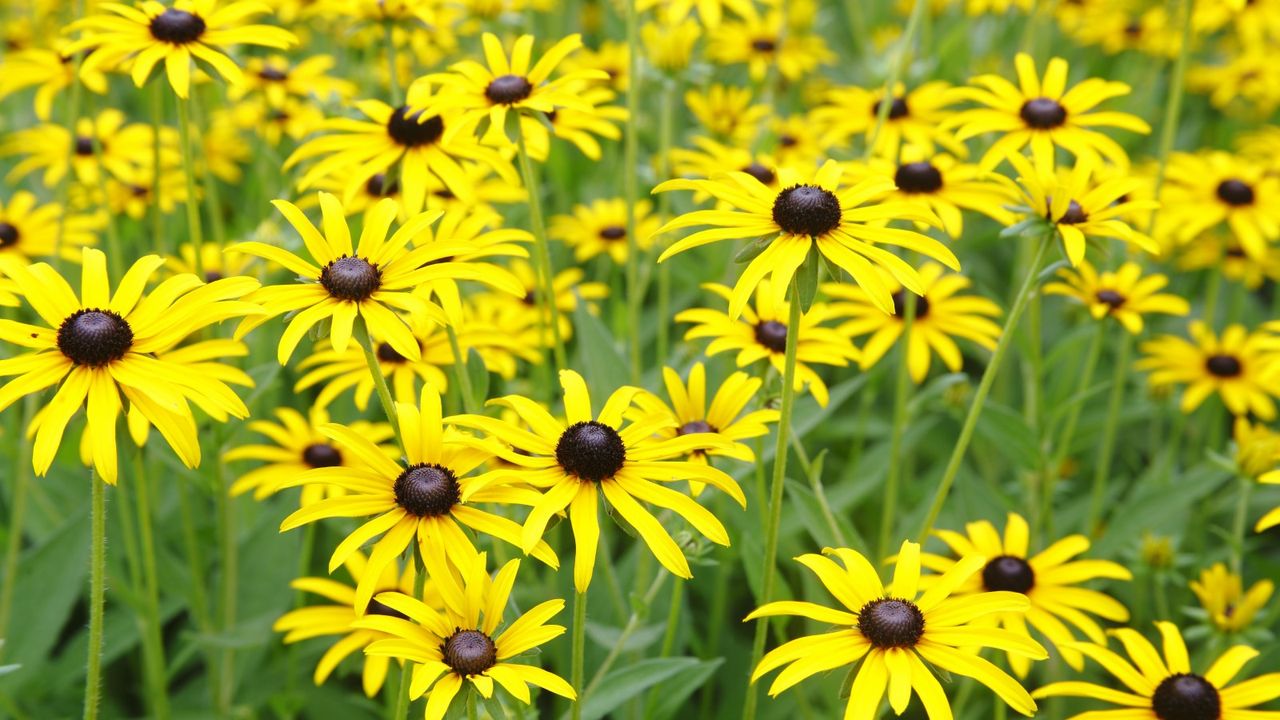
x,y
898,632
103,144
813,210
601,228
29,230
1166,687
1236,365
588,456
1222,595
1044,114
1122,294
913,121
100,345
1222,252
669,42
764,42
178,34
1205,190
940,314
276,79
727,112
710,12
761,333
50,70
575,125
942,185
1049,579
459,643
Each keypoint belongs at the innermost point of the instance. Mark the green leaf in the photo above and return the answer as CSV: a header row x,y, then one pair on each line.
x,y
807,279
599,357
670,703
479,375
624,683
606,636
1006,429
752,250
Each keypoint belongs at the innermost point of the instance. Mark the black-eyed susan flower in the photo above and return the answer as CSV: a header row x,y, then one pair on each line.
x,y
506,83
1044,114
845,224
296,446
1205,190
669,41
216,264
416,142
1257,448
371,281
1082,206
1236,366
611,58
31,230
727,112
590,457
48,70
898,633
276,78
430,495
760,333
1164,687
337,618
1271,518
710,12
100,345
1225,602
601,228
1050,579
460,643
762,41
102,144
941,313
943,185
575,125
913,119
707,157
1123,294
479,235
1222,253
188,30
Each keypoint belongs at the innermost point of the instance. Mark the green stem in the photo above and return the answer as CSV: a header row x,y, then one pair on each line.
x,y
1173,108
666,123
156,100
1102,468
73,117
97,595
631,190
633,624
542,252
669,635
188,169
895,73
153,642
469,400
402,696
984,388
17,518
901,389
199,601
1239,526
393,69
578,666
1160,580
774,525
379,381
229,552
1063,446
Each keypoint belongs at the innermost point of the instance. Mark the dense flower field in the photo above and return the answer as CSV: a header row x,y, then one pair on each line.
x,y
639,359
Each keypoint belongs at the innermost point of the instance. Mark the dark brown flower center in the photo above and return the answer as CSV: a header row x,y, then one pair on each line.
x,y
94,337
8,234
695,426
1043,113
508,89
177,27
1074,214
271,74
1223,366
84,146
405,129
764,45
388,354
1009,573
613,232
806,210
760,172
773,335
377,608
378,186
900,305
918,177
213,276
322,455
591,451
1186,697
427,490
1235,193
351,278
469,652
898,109
1110,297
891,623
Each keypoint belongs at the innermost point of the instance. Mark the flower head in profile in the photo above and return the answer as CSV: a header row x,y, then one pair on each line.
x,y
1122,294
188,30
941,313
507,83
812,210
761,333
1225,602
100,345
589,457
1238,366
898,632
370,281
1162,686
1045,114
1050,579
460,643
429,495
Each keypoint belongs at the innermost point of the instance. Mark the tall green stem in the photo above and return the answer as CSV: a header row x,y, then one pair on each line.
x,y
1173,107
1106,449
631,190
469,400
775,492
229,552
379,381
188,169
97,595
895,73
901,389
579,651
633,624
1063,446
984,388
1239,526
666,122
542,252
393,64
17,518
153,642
